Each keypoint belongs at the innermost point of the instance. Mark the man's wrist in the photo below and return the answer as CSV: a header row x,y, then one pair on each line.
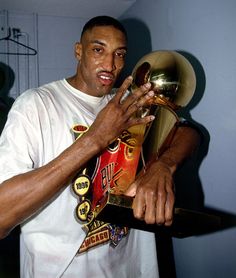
x,y
167,162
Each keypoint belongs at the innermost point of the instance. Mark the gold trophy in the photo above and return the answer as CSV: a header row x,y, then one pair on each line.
x,y
173,81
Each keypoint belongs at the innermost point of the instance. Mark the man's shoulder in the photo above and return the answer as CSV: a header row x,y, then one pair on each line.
x,y
34,96
42,90
52,85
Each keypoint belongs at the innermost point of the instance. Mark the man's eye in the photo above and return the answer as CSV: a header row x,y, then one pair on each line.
x,y
121,54
97,49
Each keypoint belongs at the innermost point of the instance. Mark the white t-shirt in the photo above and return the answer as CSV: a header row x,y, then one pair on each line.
x,y
39,129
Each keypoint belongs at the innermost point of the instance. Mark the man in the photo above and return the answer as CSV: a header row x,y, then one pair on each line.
x,y
40,159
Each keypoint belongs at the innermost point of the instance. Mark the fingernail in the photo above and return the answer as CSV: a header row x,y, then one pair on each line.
x,y
147,85
152,118
130,77
150,93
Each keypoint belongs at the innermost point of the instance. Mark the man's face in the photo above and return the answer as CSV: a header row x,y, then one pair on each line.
x,y
101,54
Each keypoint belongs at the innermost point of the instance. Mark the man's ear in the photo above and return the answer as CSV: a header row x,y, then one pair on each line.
x,y
78,51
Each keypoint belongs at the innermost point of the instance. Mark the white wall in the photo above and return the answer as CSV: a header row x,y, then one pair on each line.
x,y
24,67
53,37
205,30
57,36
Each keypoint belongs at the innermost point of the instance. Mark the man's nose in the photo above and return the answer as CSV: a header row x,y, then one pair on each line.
x,y
109,62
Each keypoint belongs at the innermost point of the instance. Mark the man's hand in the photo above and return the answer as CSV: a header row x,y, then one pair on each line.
x,y
154,189
118,115
153,193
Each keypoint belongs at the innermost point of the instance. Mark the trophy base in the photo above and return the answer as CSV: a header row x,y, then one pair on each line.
x,y
117,209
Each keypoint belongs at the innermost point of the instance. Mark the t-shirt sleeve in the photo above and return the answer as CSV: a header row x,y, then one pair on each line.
x,y
18,141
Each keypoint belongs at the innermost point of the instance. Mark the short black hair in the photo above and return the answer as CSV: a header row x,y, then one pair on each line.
x,y
103,20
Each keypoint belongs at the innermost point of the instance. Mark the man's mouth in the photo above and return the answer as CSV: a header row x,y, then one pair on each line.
x,y
106,78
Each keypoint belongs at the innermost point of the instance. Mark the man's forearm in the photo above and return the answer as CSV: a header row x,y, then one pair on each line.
x,y
185,141
22,195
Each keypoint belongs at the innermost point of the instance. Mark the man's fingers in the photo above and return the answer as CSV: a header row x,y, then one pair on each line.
x,y
154,207
134,102
139,206
123,89
131,191
135,98
150,212
169,209
139,121
142,101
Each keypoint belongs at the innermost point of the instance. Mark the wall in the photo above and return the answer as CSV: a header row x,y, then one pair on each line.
x,y
205,32
52,37
56,44
21,28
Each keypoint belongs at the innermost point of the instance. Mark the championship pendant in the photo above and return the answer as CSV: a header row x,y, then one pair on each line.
x,y
82,188
82,184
